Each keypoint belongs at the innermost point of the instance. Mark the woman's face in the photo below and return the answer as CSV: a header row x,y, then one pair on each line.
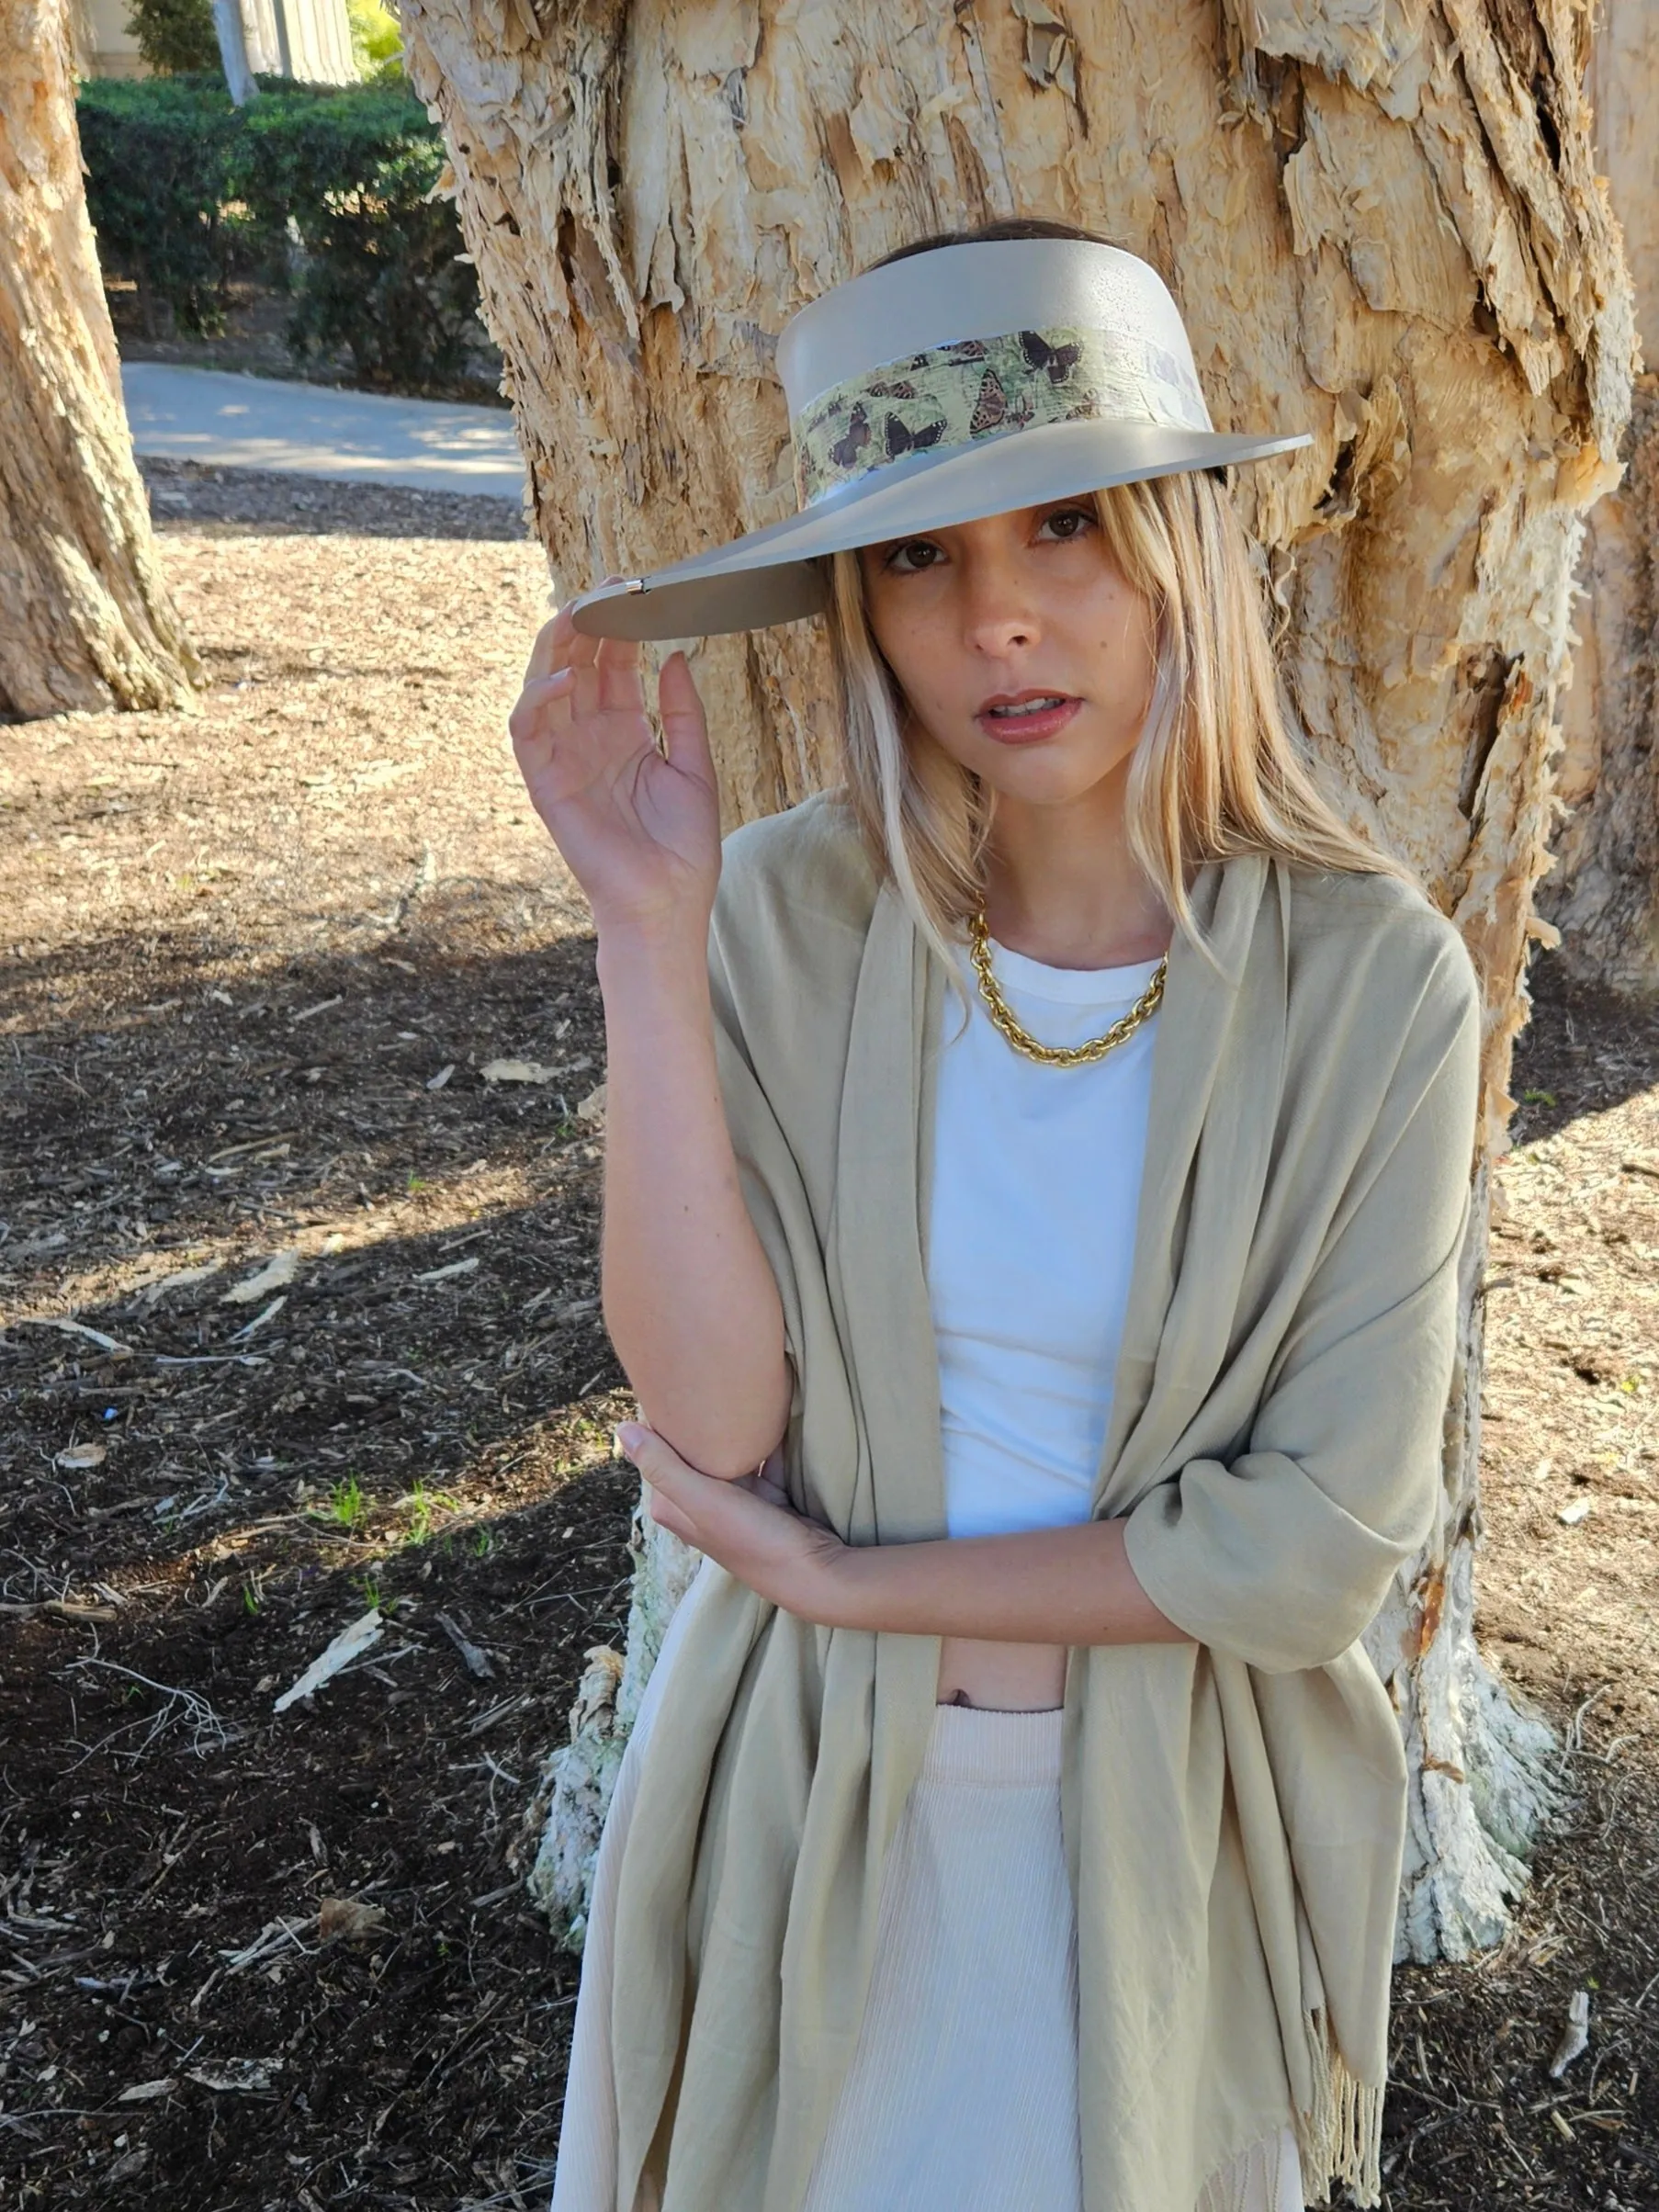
x,y
1011,610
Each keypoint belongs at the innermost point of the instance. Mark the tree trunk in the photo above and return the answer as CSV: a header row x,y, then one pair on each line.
x,y
86,616
232,31
564,1819
1604,892
1382,225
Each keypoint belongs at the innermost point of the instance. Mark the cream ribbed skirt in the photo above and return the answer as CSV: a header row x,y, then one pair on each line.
x,y
963,2092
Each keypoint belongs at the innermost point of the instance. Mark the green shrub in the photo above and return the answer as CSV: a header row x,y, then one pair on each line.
x,y
322,187
175,35
352,172
158,155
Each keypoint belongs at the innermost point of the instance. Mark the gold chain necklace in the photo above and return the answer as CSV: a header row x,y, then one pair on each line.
x,y
1054,1055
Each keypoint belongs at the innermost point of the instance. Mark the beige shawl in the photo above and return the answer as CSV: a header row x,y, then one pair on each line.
x,y
1234,1809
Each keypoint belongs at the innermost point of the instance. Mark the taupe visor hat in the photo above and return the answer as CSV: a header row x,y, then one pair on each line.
x,y
953,384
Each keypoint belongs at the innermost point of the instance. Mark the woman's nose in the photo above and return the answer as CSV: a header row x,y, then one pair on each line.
x,y
995,624
998,603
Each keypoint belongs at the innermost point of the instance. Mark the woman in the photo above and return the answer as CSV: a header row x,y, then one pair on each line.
x,y
1036,1178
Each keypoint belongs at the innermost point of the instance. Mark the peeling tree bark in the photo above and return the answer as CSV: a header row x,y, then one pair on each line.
x,y
1604,893
1384,225
85,617
562,1824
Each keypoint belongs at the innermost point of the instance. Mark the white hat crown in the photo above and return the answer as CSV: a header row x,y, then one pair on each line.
x,y
941,350
960,381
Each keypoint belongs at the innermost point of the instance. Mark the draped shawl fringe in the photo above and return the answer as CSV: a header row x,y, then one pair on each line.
x,y
1341,2139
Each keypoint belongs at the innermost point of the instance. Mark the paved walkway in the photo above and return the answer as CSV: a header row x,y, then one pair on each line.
x,y
228,422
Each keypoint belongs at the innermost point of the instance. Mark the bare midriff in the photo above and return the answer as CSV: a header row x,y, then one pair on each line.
x,y
1009,1677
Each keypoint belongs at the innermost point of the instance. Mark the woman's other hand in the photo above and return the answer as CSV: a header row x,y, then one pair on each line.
x,y
748,1526
639,827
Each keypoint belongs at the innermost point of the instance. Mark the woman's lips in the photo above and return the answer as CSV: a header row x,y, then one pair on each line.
x,y
1026,730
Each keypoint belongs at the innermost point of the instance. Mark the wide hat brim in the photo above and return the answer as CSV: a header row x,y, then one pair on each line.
x,y
779,573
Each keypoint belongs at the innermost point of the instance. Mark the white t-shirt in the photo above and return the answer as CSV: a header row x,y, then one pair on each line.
x,y
1036,1190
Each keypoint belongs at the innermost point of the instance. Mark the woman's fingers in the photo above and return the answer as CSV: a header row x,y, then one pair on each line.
x,y
606,679
684,724
658,1462
612,686
748,1525
681,1490
667,1477
616,685
534,720
668,1516
560,644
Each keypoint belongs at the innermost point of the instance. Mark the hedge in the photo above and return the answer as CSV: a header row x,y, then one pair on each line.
x,y
159,155
319,188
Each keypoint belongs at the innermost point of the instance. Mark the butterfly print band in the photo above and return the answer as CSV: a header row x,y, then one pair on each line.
x,y
976,388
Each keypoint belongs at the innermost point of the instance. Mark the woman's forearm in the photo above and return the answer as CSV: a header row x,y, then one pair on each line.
x,y
1043,1586
690,1301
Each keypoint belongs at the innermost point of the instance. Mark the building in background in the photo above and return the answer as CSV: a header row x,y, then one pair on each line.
x,y
309,39
104,45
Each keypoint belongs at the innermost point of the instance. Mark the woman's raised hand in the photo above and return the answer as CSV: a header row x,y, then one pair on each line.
x,y
639,828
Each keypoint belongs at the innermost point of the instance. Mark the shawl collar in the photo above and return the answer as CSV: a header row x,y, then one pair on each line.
x,y
877,1281
1196,1025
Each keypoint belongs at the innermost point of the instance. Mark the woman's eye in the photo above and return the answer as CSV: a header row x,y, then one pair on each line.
x,y
912,555
924,546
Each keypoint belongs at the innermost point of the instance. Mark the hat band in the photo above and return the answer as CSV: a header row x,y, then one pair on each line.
x,y
979,388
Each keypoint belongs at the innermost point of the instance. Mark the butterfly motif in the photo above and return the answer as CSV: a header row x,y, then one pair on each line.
x,y
1059,360
967,349
991,409
900,439
846,449
891,391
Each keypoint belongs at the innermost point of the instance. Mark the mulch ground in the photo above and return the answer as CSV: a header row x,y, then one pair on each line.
x,y
300,1323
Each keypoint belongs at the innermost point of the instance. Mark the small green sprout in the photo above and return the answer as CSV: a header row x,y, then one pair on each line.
x,y
347,1508
423,1505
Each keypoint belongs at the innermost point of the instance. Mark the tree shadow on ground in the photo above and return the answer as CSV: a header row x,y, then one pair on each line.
x,y
1584,1050
172,1139
198,1494
264,503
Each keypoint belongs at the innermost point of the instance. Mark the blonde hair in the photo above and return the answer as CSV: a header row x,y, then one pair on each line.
x,y
1215,772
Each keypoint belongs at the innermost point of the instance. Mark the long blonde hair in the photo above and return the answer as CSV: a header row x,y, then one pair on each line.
x,y
1215,771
